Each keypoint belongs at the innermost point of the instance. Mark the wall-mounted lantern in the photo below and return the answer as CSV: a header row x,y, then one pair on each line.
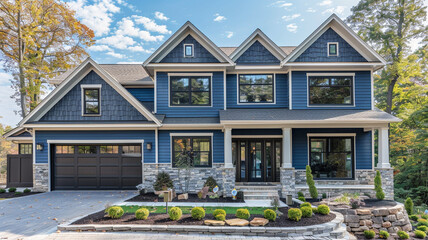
x,y
149,146
39,146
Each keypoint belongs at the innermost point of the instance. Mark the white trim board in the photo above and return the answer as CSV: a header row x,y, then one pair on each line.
x,y
337,49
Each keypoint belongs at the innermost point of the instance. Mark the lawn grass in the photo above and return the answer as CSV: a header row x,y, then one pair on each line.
x,y
186,210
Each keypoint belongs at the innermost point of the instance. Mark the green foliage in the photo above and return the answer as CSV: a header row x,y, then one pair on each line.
x,y
323,209
302,199
305,204
198,213
378,186
12,189
270,214
383,234
163,180
300,194
2,190
413,217
219,212
403,235
18,193
408,205
220,217
369,234
306,212
422,228
420,234
210,182
324,195
294,214
114,212
311,183
315,210
175,213
422,222
27,190
142,214
243,213
424,216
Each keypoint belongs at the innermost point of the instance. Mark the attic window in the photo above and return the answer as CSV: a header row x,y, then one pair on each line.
x,y
91,100
188,50
333,49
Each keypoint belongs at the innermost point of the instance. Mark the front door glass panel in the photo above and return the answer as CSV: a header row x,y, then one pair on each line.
x,y
243,157
256,161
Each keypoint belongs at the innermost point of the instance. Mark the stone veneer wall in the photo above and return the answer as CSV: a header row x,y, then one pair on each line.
x,y
40,177
387,175
288,182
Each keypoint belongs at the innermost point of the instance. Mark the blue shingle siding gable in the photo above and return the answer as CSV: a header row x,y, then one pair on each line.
x,y
201,55
281,85
362,85
217,99
113,106
317,52
257,54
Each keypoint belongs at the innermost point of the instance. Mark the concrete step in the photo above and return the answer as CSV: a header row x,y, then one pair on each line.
x,y
252,191
259,197
339,233
241,188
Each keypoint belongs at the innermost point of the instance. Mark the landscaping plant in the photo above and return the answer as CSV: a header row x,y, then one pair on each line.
x,y
413,217
269,214
424,216
314,209
175,213
356,203
323,209
219,212
294,214
311,183
184,161
220,217
142,214
27,190
408,205
243,213
383,234
12,189
18,193
211,183
302,199
115,212
422,222
306,212
305,204
324,195
378,186
422,228
197,213
403,235
369,234
420,234
2,190
163,180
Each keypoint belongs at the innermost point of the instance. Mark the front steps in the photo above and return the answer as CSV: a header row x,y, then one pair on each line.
x,y
258,191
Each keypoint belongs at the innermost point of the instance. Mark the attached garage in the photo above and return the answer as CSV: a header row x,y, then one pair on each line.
x,y
90,167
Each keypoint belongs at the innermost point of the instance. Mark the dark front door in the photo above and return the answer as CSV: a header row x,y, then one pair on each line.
x,y
20,170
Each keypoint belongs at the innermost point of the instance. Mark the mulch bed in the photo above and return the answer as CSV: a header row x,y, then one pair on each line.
x,y
13,195
163,219
151,197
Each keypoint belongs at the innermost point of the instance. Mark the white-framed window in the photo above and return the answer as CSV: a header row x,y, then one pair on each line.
x,y
91,100
333,49
188,50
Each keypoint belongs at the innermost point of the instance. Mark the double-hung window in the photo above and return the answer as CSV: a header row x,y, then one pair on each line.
x,y
335,90
256,88
91,100
197,149
190,90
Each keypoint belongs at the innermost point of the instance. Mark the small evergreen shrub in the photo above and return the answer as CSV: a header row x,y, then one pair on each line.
x,y
383,234
269,214
306,212
315,210
300,194
311,183
324,195
323,209
422,228
424,216
12,189
18,193
408,205
369,234
115,212
420,234
422,222
302,199
211,183
403,235
163,180
142,214
175,213
243,213
2,190
27,190
294,214
197,213
218,212
378,186
220,217
305,204
413,217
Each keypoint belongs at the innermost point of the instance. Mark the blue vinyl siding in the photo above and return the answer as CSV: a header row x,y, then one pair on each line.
x,y
165,144
363,143
257,54
317,52
200,54
113,106
44,136
281,95
362,87
143,94
216,98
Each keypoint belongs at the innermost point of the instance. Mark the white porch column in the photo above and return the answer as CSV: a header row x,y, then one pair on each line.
x,y
383,148
228,148
286,148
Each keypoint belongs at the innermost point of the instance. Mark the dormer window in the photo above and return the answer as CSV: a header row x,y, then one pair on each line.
x,y
188,50
91,100
333,49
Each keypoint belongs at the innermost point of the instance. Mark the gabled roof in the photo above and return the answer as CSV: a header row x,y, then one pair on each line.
x,y
345,32
74,78
178,36
258,35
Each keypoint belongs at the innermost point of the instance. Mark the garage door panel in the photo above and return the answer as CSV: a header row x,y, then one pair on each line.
x,y
87,181
110,182
64,160
131,161
87,161
65,171
131,171
67,182
87,171
109,160
109,171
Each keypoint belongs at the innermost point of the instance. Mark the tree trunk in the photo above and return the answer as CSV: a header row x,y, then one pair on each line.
x,y
23,94
390,94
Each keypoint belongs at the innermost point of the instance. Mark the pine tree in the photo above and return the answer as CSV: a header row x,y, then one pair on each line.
x,y
378,186
311,183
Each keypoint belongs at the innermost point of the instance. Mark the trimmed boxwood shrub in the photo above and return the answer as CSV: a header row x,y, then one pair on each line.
x,y
323,209
12,189
18,193
369,234
142,214
305,204
408,205
294,214
422,228
420,234
175,213
306,212
403,235
27,190
413,217
383,234
219,212
300,194
115,212
220,217
197,213
315,210
243,213
302,199
269,214
422,222
2,190
378,186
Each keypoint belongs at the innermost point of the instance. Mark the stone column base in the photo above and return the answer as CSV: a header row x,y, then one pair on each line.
x,y
41,177
228,177
288,182
387,175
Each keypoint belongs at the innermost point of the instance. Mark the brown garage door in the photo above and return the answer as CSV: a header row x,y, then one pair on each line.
x,y
85,167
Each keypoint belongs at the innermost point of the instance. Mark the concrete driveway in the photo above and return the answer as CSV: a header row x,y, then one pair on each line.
x,y
37,215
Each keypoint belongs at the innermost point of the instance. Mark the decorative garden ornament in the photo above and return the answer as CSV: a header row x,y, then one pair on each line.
x,y
234,192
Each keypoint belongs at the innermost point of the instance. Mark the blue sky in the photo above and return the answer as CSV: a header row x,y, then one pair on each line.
x,y
128,31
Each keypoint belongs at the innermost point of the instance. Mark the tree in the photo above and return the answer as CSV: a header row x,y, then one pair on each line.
x,y
6,147
311,183
39,39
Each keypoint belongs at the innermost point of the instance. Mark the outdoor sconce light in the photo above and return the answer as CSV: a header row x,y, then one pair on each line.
x,y
39,146
149,146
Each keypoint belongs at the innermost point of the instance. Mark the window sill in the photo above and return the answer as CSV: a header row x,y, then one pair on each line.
x,y
91,115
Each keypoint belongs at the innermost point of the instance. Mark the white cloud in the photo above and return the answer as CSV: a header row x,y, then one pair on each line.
x,y
139,49
116,55
229,34
282,4
311,10
97,16
118,41
160,16
291,17
338,10
325,3
126,27
292,27
150,25
219,18
99,48
5,78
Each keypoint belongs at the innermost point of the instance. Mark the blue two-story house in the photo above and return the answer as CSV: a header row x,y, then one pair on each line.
x,y
253,114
